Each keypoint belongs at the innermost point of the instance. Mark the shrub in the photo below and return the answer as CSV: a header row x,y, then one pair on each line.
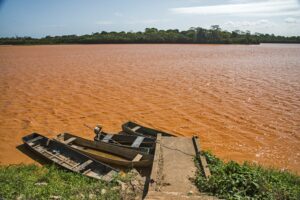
x,y
247,181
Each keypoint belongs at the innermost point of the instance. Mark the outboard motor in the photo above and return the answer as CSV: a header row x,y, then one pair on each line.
x,y
97,131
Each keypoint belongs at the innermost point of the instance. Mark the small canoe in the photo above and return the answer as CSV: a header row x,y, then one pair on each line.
x,y
68,158
136,142
106,152
136,129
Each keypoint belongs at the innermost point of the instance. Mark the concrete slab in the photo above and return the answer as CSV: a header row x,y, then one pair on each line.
x,y
173,170
178,165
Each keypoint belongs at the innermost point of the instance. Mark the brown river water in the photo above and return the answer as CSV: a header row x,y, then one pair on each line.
x,y
242,101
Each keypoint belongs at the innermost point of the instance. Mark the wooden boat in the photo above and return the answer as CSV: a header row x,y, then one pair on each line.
x,y
106,152
136,142
68,158
136,129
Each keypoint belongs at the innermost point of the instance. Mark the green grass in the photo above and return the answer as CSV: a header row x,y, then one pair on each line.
x,y
34,182
247,181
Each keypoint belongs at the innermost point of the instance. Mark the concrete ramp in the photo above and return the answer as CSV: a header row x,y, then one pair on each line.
x,y
173,170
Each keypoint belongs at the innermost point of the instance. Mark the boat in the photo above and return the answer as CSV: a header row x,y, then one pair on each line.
x,y
139,143
107,152
132,128
68,158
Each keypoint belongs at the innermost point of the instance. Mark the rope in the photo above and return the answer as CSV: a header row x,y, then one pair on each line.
x,y
174,149
88,126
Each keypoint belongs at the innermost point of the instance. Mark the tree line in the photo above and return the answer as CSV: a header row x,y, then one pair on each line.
x,y
198,35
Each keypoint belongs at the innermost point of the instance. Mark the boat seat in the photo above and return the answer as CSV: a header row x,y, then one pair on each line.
x,y
77,147
93,175
31,142
83,165
109,176
135,128
36,146
61,160
48,142
69,140
54,155
43,150
137,142
107,138
137,158
86,171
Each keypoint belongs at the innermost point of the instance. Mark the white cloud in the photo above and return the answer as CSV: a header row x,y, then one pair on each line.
x,y
262,23
269,7
53,26
104,22
239,1
118,14
133,22
290,20
148,21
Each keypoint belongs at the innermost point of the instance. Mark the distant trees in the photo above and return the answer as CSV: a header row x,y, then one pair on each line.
x,y
214,35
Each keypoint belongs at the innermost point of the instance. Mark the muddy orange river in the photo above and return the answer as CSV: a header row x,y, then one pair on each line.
x,y
242,101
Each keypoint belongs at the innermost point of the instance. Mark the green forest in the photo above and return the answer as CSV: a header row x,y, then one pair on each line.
x,y
214,35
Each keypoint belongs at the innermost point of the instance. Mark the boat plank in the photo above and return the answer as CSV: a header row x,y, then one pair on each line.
x,y
137,158
69,140
107,138
136,128
83,165
137,142
31,142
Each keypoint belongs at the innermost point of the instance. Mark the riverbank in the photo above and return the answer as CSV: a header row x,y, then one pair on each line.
x,y
229,180
49,182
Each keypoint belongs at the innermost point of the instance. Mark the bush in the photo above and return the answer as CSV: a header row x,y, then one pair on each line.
x,y
247,181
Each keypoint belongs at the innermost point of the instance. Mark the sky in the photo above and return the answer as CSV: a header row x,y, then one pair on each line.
x,y
39,18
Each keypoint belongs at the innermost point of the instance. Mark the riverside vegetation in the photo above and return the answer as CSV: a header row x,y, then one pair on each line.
x,y
247,181
228,181
198,35
49,182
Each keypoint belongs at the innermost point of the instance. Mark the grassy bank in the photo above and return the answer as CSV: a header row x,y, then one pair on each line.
x,y
33,182
229,181
247,181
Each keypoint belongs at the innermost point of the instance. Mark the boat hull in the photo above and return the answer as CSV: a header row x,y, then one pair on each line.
x,y
68,158
132,128
106,152
127,141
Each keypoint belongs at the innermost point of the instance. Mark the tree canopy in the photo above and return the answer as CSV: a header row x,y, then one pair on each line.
x,y
198,35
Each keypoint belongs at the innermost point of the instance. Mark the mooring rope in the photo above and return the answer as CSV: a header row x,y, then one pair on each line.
x,y
174,149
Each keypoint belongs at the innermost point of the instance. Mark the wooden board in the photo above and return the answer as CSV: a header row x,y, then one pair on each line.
x,y
201,158
137,142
